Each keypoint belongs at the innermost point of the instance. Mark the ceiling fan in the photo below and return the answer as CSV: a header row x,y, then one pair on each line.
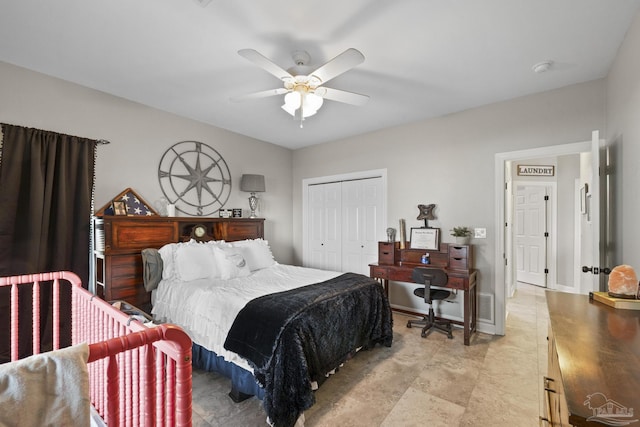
x,y
303,89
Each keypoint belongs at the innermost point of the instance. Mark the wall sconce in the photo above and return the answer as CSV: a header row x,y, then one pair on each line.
x,y
252,184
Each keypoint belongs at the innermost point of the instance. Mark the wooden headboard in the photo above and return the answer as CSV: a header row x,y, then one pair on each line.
x,y
119,267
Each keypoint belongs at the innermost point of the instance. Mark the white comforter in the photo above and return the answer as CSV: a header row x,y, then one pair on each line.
x,y
206,308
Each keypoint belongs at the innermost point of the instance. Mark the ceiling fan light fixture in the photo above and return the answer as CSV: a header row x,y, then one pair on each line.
x,y
312,102
293,100
304,95
301,97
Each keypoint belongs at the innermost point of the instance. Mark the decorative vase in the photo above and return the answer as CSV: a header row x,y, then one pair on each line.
x,y
463,240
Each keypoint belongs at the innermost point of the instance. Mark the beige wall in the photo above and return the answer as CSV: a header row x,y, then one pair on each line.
x,y
623,132
449,161
139,136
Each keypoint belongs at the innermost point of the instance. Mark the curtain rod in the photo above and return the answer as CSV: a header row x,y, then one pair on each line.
x,y
103,142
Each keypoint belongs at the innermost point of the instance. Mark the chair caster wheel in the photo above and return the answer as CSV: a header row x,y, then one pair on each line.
x,y
409,324
423,334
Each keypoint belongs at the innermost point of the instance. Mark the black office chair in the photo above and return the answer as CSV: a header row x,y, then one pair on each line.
x,y
431,277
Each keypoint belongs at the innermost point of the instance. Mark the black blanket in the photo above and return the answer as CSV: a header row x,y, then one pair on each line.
x,y
294,337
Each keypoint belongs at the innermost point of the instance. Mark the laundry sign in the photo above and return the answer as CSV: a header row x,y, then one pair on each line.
x,y
536,170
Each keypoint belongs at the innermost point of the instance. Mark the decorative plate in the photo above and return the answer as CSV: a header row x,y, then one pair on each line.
x,y
195,178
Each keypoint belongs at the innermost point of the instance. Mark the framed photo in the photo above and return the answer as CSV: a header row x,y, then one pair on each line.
x,y
119,207
425,238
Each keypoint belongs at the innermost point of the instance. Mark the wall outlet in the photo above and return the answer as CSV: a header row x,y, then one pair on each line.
x,y
480,233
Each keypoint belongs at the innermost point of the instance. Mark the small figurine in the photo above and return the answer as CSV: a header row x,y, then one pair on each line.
x,y
391,234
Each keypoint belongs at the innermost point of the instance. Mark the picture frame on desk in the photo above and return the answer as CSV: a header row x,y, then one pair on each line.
x,y
424,238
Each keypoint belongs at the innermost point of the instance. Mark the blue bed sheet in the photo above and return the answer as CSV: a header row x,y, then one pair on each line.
x,y
241,379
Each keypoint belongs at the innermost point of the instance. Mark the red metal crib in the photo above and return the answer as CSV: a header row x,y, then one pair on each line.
x,y
138,375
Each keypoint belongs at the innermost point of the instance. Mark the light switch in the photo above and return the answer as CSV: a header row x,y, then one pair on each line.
x,y
480,233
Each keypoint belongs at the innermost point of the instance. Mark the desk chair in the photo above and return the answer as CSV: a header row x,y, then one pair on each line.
x,y
431,277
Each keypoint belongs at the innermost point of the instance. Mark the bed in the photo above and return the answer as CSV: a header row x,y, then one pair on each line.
x,y
117,371
276,330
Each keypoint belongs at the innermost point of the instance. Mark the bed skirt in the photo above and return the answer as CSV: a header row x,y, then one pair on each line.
x,y
242,381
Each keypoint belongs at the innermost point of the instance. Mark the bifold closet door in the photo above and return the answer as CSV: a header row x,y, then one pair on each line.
x,y
344,218
325,222
361,209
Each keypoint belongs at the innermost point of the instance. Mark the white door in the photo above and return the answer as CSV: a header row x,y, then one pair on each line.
x,y
590,254
530,228
325,234
361,213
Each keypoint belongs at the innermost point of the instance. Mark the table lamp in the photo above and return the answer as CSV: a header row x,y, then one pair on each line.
x,y
252,184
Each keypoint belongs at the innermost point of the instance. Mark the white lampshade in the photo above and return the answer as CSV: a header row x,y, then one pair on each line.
x,y
293,100
312,102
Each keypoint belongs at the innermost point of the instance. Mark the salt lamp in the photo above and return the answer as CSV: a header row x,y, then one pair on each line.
x,y
623,282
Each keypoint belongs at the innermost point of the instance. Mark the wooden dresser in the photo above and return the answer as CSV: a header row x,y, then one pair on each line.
x,y
593,373
118,265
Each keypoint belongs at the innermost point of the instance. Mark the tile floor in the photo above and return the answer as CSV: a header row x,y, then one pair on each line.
x,y
434,381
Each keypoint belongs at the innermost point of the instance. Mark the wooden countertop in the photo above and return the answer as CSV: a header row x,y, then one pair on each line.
x,y
599,352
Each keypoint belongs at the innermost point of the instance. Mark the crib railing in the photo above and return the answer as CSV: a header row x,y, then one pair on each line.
x,y
139,375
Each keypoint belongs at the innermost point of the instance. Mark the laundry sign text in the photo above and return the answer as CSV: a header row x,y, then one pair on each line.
x,y
536,170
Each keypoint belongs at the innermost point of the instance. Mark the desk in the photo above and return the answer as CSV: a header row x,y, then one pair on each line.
x,y
403,261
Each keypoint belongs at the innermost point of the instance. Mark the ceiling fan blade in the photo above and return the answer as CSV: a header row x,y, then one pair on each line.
x,y
342,96
265,63
261,94
338,65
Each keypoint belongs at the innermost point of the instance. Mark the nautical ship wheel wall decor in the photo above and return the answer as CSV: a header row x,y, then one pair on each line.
x,y
195,178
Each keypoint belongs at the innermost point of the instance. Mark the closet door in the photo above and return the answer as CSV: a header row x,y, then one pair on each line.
x,y
361,214
325,226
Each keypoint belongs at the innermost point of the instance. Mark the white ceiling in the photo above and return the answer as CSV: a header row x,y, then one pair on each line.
x,y
424,58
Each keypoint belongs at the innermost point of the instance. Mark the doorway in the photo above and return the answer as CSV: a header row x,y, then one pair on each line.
x,y
503,264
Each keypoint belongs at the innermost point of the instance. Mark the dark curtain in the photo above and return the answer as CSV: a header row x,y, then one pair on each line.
x,y
46,187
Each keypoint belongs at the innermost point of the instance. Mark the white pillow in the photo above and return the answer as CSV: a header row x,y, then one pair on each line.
x,y
231,262
218,243
257,253
167,253
195,261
